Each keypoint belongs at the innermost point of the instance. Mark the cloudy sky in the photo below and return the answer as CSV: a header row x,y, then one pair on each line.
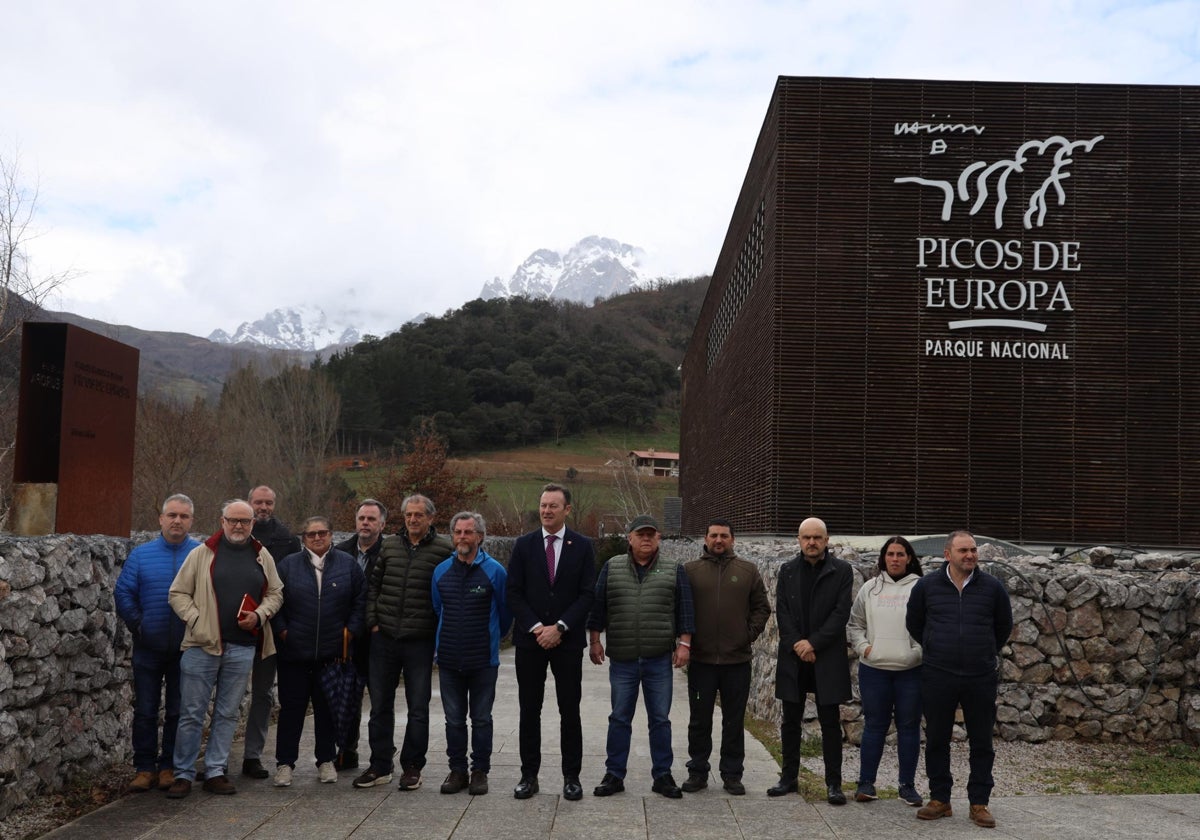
x,y
199,164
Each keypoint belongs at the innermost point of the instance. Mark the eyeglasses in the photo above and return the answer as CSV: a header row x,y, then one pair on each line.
x,y
316,534
237,523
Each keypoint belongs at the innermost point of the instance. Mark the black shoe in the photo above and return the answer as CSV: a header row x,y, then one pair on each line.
x,y
572,790
346,761
478,785
525,788
695,782
609,785
456,780
253,768
865,792
665,784
734,787
783,787
836,797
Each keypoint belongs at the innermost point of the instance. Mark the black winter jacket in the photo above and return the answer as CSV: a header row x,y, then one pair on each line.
x,y
400,591
313,622
960,633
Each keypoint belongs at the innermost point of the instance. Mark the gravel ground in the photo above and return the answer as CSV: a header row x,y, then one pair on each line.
x,y
1020,768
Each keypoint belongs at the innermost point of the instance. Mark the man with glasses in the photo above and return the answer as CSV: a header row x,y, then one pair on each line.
x,y
326,598
468,597
279,540
225,593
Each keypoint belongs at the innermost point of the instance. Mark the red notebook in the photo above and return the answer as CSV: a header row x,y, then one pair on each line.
x,y
248,605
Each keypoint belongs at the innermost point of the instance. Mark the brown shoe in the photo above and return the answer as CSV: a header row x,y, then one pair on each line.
x,y
455,782
478,785
219,785
410,778
935,810
981,816
142,782
166,778
180,789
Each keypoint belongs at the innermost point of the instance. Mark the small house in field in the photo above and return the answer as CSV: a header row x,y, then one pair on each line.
x,y
649,462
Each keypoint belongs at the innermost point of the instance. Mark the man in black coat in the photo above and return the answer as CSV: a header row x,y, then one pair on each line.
x,y
551,586
812,606
369,521
279,540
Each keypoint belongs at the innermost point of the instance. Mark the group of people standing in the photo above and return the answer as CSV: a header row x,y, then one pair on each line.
x,y
926,646
254,603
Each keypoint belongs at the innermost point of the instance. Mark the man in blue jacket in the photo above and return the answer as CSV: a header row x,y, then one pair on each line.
x,y
962,616
468,597
141,596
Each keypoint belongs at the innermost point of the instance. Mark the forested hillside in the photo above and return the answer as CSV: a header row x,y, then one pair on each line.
x,y
510,372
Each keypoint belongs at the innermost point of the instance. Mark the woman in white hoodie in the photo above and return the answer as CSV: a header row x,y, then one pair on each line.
x,y
889,669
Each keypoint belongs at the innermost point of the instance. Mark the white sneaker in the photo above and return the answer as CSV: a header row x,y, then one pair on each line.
x,y
326,772
283,776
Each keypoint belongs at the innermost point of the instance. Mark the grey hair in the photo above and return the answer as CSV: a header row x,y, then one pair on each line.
x,y
178,497
417,497
477,518
322,519
226,505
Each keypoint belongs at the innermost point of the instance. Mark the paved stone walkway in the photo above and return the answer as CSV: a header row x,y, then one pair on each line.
x,y
308,809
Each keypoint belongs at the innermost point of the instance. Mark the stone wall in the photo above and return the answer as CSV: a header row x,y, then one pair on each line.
x,y
1104,649
64,663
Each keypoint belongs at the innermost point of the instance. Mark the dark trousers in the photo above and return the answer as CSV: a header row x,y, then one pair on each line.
x,y
151,669
942,693
391,659
468,693
566,663
791,734
299,684
732,682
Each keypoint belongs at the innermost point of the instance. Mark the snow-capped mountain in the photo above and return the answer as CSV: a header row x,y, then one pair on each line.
x,y
289,328
594,267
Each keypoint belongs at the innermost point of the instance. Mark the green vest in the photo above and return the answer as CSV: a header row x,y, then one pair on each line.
x,y
641,614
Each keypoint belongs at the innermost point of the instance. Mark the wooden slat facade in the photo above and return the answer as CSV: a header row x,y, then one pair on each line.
x,y
808,388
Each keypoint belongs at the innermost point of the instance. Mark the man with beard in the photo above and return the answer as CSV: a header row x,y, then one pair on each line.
x,y
732,609
225,593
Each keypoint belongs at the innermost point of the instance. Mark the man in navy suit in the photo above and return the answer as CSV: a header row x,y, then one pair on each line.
x,y
551,586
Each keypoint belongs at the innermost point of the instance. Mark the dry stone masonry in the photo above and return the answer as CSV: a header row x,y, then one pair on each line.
x,y
1105,649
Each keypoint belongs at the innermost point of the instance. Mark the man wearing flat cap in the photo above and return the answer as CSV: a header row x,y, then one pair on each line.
x,y
644,607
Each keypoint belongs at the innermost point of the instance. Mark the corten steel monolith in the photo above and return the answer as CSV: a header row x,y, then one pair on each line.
x,y
75,425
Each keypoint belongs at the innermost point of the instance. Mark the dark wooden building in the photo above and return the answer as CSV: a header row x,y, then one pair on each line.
x,y
956,304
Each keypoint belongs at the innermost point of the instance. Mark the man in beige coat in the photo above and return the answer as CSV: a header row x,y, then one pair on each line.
x,y
225,592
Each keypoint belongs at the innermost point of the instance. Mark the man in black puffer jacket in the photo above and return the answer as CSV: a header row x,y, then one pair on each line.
x,y
962,616
402,623
326,598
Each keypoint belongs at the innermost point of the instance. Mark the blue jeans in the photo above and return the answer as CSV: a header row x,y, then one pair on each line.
x,y
888,694
199,673
473,690
391,658
941,693
151,668
653,675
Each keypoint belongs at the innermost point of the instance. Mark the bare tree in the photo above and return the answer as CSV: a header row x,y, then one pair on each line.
x,y
630,491
173,453
279,430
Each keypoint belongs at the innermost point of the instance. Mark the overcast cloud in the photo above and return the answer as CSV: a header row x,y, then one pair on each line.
x,y
203,163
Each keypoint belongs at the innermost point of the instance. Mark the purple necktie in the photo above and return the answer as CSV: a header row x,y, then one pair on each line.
x,y
550,556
